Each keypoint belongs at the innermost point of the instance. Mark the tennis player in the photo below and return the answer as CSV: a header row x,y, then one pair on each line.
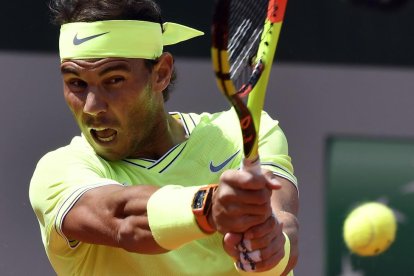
x,y
145,192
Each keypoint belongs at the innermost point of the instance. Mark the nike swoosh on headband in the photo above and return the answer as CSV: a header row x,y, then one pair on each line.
x,y
78,41
219,167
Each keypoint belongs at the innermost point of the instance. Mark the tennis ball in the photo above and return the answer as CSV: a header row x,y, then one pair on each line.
x,y
370,229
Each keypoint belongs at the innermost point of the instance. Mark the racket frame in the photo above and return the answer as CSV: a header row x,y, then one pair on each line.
x,y
249,114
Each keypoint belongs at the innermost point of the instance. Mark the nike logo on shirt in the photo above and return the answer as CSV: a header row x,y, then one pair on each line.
x,y
220,166
78,41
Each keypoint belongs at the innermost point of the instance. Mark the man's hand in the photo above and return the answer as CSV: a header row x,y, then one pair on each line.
x,y
259,249
244,210
242,201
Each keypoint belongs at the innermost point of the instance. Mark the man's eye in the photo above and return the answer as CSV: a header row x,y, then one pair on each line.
x,y
77,84
115,80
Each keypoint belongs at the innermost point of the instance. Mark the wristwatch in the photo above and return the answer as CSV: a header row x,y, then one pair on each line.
x,y
201,207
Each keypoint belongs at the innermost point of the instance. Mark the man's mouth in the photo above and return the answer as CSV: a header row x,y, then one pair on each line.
x,y
104,134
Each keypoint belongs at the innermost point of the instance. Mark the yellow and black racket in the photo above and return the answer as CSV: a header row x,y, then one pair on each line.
x,y
244,38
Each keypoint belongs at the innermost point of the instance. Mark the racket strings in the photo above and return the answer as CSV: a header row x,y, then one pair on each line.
x,y
245,32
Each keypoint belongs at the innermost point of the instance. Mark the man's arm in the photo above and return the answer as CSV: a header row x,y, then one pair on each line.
x,y
285,205
119,216
113,215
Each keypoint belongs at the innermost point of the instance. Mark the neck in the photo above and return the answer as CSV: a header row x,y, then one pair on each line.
x,y
176,131
168,132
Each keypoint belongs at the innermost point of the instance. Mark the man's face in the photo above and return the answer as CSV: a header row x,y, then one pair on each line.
x,y
113,103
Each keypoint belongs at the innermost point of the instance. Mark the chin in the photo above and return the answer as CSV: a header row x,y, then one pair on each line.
x,y
105,152
109,156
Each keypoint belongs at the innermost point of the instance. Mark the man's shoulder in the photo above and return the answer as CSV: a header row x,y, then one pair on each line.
x,y
228,116
216,118
205,120
198,116
218,127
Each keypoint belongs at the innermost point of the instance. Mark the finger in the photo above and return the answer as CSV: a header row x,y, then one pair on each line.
x,y
230,241
244,245
263,259
251,245
262,240
244,180
274,250
249,257
238,215
257,261
227,193
243,209
247,260
269,263
241,224
267,243
250,267
273,182
258,231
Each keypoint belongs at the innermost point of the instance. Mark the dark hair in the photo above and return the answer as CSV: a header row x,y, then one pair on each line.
x,y
67,11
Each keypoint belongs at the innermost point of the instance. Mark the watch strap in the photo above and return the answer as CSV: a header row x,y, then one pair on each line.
x,y
202,217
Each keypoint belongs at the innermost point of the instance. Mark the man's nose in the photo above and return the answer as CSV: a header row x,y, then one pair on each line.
x,y
95,102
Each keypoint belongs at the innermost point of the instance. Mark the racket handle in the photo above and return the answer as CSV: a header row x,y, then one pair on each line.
x,y
251,166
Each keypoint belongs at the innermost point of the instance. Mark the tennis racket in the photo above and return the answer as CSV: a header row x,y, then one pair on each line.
x,y
244,39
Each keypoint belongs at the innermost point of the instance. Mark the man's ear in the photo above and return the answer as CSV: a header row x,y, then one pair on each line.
x,y
162,71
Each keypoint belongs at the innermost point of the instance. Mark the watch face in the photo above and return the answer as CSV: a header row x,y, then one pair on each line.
x,y
199,199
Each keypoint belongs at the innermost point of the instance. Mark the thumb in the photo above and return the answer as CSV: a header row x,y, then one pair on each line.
x,y
273,182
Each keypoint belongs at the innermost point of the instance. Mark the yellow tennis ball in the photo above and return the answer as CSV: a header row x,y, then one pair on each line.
x,y
370,229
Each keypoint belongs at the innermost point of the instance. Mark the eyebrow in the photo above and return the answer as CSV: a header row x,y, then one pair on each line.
x,y
69,70
117,67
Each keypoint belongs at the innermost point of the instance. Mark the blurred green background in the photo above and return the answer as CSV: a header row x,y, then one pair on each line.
x,y
369,169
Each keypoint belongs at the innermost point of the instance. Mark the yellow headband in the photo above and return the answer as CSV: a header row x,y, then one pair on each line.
x,y
120,38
